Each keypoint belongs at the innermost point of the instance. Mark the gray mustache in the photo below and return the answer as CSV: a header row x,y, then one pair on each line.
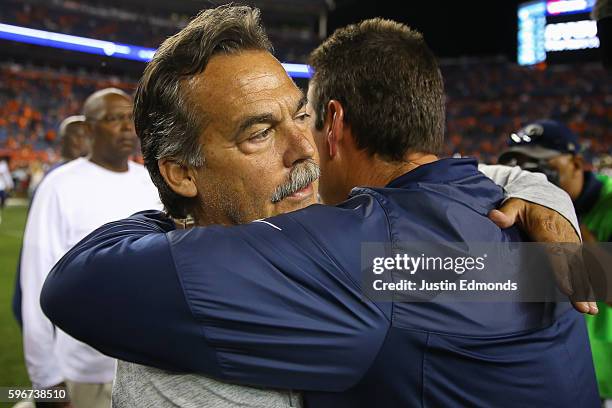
x,y
300,177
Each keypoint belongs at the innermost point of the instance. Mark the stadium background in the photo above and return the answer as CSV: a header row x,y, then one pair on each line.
x,y
488,94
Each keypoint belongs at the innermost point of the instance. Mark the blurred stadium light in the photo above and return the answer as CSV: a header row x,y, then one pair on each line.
x,y
563,27
100,47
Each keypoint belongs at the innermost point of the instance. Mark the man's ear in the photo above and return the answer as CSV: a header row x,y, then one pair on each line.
x,y
179,177
578,162
335,131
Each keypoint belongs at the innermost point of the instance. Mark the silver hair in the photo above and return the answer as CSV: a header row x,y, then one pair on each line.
x,y
187,151
300,177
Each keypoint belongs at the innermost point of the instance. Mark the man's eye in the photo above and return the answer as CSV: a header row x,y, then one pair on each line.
x,y
263,135
303,116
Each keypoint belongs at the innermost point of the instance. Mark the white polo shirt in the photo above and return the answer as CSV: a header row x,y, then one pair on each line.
x,y
71,202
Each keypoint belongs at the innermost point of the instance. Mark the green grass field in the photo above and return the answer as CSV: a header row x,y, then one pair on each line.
x,y
12,367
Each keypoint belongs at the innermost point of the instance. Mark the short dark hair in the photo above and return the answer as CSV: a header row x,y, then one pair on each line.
x,y
168,127
388,83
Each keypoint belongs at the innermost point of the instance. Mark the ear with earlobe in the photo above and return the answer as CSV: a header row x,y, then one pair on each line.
x,y
178,177
335,131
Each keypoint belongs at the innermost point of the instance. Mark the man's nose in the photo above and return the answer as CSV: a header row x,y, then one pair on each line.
x,y
300,146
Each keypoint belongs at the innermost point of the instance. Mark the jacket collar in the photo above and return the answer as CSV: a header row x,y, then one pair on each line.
x,y
440,171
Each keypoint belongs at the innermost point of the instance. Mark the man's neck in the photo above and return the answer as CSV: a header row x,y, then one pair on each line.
x,y
203,219
217,213
372,171
119,165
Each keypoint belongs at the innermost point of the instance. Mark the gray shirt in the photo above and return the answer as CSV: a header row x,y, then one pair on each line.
x,y
142,387
147,387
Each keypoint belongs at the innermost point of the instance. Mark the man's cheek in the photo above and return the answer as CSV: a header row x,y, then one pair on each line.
x,y
258,187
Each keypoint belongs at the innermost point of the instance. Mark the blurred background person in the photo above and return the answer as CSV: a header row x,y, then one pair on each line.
x,y
604,165
37,173
550,147
75,143
6,183
74,140
70,203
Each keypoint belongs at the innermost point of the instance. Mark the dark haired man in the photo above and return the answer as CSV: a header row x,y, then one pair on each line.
x,y
276,303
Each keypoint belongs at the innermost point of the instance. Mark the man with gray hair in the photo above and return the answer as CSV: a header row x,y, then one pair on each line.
x,y
70,203
226,138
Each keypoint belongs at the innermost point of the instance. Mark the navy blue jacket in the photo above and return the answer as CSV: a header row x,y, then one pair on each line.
x,y
279,304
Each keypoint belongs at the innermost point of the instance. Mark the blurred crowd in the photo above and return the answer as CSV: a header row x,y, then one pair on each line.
x,y
136,26
33,102
105,23
486,102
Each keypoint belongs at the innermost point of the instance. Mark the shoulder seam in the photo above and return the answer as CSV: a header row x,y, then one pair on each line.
x,y
376,197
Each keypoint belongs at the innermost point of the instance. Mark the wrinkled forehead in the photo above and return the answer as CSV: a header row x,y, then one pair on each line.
x,y
235,83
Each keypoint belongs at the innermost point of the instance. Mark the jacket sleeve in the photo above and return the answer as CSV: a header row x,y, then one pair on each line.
x,y
532,187
261,304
